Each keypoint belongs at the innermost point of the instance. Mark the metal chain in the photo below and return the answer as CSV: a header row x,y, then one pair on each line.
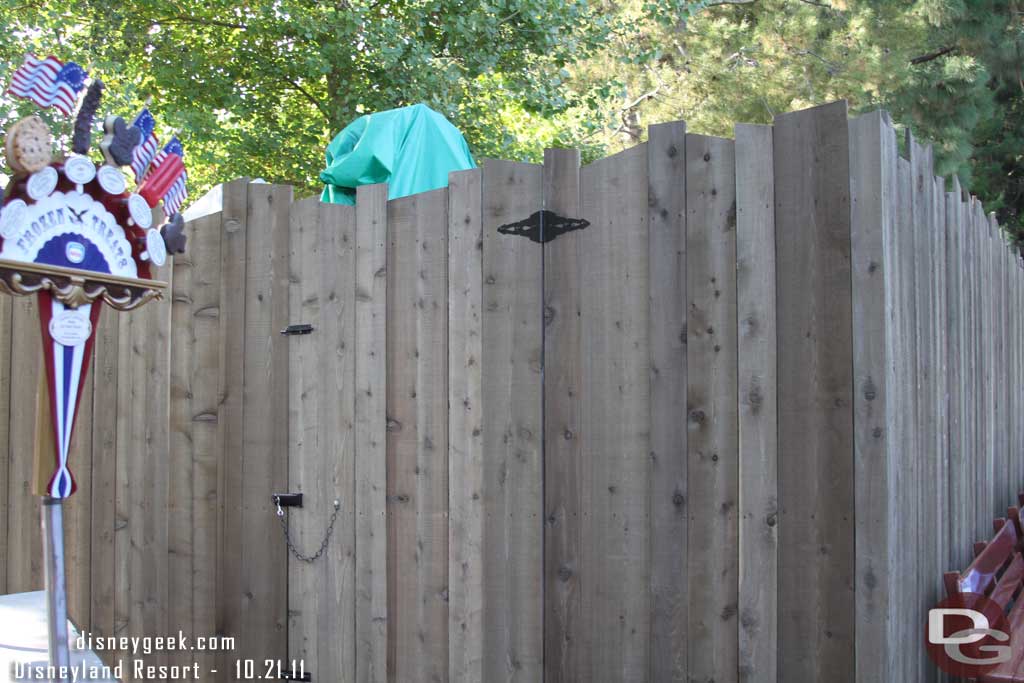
x,y
288,538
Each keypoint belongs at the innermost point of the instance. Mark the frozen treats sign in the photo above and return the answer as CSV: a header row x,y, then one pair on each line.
x,y
71,230
67,230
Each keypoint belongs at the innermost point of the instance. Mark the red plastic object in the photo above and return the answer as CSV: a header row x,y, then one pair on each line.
x,y
159,181
998,573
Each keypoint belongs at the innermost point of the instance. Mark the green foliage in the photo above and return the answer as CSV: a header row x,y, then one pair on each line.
x,y
259,88
949,69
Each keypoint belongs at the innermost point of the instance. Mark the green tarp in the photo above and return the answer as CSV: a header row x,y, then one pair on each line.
x,y
412,149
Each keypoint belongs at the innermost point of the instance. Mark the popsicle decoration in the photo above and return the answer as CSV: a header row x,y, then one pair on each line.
x,y
72,232
166,178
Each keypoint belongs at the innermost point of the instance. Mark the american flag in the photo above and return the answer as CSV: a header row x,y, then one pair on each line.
x,y
49,82
176,196
177,193
143,154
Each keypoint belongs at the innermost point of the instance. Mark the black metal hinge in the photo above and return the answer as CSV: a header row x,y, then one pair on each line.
x,y
543,226
296,677
304,328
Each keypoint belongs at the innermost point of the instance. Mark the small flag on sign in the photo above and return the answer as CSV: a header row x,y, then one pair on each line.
x,y
166,178
143,154
176,196
49,82
174,147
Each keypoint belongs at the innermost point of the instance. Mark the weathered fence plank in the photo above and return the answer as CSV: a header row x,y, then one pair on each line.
x,y
564,623
179,497
986,424
960,479
1016,377
263,591
1006,487
614,443
905,403
5,444
758,407
305,457
337,484
192,455
872,176
371,607
204,398
418,445
940,331
513,428
143,399
711,386
321,594
666,177
231,425
925,422
25,567
971,367
105,521
465,428
816,496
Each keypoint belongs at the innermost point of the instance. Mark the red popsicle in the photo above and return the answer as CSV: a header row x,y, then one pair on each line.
x,y
160,179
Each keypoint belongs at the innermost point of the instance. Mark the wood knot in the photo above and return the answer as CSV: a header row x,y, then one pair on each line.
x,y
870,390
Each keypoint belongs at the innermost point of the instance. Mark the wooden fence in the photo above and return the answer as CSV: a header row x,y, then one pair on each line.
x,y
734,429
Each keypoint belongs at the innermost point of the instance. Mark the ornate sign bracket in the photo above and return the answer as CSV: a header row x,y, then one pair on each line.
x,y
74,287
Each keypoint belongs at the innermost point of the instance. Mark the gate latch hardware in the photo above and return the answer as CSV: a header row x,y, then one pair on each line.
x,y
543,226
288,676
304,328
287,500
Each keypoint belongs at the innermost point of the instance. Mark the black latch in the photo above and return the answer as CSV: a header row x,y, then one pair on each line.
x,y
288,500
543,226
296,676
304,328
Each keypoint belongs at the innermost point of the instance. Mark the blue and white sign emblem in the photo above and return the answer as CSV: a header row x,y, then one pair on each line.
x,y
75,251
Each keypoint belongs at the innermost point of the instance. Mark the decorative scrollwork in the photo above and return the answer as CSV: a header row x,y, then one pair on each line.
x,y
75,288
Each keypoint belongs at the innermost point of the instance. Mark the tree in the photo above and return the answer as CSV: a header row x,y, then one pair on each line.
x,y
948,69
259,88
